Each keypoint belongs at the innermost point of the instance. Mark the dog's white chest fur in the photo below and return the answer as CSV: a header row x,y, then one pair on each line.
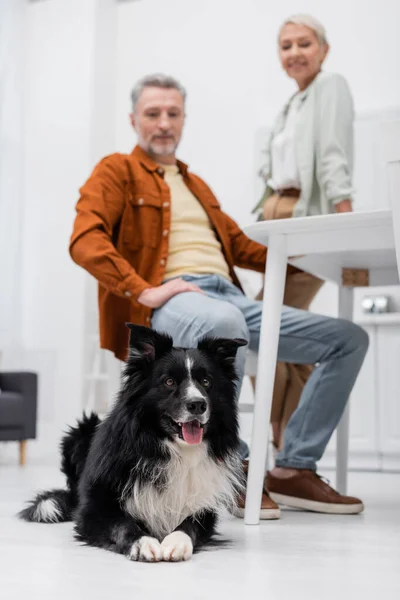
x,y
193,483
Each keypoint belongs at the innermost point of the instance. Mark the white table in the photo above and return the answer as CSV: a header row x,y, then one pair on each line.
x,y
324,246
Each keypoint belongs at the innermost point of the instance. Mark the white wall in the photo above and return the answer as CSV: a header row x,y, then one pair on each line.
x,y
225,54
12,24
67,98
58,110
70,126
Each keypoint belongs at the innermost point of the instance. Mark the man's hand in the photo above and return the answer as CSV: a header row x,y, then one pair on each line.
x,y
157,296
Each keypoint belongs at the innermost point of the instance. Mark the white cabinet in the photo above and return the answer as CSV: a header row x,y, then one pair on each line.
x,y
375,402
363,406
388,375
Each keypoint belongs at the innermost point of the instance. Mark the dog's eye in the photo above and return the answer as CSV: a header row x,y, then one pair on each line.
x,y
169,382
205,382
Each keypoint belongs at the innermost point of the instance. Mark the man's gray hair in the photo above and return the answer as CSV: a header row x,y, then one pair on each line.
x,y
157,80
310,22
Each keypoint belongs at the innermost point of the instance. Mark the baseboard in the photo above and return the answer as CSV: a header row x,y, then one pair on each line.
x,y
391,463
363,461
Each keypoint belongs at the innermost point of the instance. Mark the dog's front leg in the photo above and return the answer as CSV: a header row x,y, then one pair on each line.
x,y
190,535
121,534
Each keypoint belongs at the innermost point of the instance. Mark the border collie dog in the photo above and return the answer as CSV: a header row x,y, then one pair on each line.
x,y
150,479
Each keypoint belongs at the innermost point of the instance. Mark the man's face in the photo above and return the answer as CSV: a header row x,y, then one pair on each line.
x,y
158,121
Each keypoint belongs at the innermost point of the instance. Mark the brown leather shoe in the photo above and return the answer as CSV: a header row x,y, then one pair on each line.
x,y
308,491
269,509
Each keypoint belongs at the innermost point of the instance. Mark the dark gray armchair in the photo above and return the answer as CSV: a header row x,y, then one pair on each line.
x,y
18,409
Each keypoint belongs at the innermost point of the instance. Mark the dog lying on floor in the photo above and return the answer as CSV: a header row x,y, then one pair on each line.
x,y
149,481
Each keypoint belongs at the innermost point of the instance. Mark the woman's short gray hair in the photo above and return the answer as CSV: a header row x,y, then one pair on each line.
x,y
157,80
308,21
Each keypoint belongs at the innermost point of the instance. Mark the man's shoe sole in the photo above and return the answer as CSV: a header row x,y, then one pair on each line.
x,y
314,506
266,514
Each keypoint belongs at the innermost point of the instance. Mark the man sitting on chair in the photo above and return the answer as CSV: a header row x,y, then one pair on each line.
x,y
155,237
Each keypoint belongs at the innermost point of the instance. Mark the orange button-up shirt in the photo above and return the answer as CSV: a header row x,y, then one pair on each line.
x,y
119,237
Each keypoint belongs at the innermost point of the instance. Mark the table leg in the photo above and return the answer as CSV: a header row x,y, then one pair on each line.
x,y
275,274
346,296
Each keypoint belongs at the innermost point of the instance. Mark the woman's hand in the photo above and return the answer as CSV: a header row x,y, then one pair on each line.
x,y
344,206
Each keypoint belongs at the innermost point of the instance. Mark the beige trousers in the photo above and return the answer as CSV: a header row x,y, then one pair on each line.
x,y
300,289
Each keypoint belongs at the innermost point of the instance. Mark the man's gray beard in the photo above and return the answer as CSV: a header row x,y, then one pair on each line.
x,y
166,151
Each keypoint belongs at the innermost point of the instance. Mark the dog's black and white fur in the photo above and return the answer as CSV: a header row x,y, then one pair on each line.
x,y
148,481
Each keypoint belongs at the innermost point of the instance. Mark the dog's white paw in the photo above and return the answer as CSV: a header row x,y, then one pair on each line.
x,y
177,546
146,549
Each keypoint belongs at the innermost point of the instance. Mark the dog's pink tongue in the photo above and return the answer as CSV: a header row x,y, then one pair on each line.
x,y
192,432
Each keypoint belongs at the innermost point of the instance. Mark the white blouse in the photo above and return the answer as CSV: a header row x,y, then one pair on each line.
x,y
285,172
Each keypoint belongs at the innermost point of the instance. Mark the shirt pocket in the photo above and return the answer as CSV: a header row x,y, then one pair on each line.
x,y
211,203
141,223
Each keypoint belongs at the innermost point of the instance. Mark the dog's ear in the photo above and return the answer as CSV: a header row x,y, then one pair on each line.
x,y
223,349
147,343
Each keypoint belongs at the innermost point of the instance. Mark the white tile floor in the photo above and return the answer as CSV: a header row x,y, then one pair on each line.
x,y
302,556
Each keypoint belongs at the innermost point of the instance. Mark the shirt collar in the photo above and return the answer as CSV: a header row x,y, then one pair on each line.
x,y
149,164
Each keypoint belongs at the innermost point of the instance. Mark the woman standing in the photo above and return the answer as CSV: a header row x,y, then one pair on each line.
x,y
308,171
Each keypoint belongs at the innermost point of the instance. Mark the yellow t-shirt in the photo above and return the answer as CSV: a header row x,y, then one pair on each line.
x,y
193,246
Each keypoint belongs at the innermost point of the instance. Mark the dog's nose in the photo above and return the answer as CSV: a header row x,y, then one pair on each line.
x,y
197,407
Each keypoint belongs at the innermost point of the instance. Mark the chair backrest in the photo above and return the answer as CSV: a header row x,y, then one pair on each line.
x,y
391,139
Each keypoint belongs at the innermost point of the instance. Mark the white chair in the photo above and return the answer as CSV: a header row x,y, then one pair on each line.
x,y
250,369
251,364
251,283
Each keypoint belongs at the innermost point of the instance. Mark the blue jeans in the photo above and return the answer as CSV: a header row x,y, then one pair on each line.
x,y
336,346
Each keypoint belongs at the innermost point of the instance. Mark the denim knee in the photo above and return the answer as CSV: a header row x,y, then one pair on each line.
x,y
362,337
227,322
356,337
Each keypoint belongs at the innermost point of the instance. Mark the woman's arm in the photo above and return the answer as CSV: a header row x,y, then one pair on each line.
x,y
334,140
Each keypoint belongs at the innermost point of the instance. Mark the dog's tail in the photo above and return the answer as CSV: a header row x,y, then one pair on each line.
x,y
58,506
54,506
